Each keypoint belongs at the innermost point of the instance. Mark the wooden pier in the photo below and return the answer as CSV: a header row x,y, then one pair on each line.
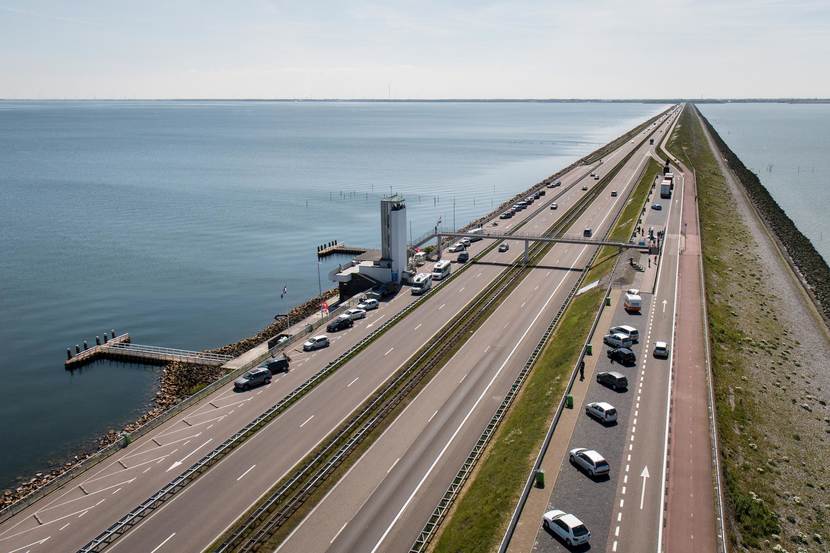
x,y
343,249
122,349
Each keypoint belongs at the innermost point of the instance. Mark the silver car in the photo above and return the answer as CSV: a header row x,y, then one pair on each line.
x,y
368,304
316,342
589,461
602,411
355,314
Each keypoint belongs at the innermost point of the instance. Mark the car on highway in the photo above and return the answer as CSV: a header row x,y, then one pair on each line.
x,y
617,340
596,177
623,356
587,233
341,322
656,207
463,257
614,380
504,246
368,304
457,247
566,527
276,364
661,350
554,205
589,461
356,313
506,215
584,187
466,242
626,330
253,378
317,342
602,411
613,193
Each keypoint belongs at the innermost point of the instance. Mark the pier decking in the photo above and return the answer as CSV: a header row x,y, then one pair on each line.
x,y
121,348
341,249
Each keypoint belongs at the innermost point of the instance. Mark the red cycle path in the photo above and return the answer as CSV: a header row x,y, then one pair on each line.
x,y
690,512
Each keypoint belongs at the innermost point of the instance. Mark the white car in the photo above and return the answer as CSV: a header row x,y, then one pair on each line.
x,y
355,314
617,340
590,461
316,342
466,242
584,188
457,247
602,411
661,350
569,528
553,205
368,304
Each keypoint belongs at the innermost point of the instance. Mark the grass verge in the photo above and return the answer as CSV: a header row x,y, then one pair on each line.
x,y
624,227
478,522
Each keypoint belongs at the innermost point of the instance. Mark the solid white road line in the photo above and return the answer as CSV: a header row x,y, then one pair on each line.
x,y
432,416
241,476
417,327
159,546
388,352
393,465
307,421
352,382
339,531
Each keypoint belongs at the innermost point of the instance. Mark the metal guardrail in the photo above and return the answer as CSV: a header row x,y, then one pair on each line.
x,y
436,518
165,354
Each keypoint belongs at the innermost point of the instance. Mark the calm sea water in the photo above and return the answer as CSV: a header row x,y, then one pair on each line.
x,y
788,146
180,222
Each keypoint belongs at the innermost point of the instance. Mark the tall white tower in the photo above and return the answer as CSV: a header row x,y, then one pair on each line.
x,y
393,234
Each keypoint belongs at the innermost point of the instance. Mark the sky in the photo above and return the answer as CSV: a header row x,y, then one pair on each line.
x,y
414,49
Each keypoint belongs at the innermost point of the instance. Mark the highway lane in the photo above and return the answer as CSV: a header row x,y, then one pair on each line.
x,y
87,505
623,512
376,488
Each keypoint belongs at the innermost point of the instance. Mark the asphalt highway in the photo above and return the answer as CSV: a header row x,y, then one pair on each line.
x,y
68,518
382,503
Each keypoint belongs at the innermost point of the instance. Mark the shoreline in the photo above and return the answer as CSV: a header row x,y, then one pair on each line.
x,y
178,381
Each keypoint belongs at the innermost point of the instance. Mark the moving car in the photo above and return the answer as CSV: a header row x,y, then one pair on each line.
x,y
463,257
368,304
602,411
613,193
614,380
626,330
587,233
553,205
317,342
656,207
584,187
504,246
566,527
661,350
276,364
589,461
596,177
342,322
252,379
355,313
623,356
457,247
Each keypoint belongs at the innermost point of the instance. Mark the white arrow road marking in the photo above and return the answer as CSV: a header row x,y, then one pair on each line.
x,y
180,461
664,305
645,476
44,540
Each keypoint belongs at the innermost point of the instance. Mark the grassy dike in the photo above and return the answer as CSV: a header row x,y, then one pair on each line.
x,y
484,508
775,479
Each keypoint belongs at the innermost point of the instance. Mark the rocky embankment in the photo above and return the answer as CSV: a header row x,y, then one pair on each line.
x,y
810,265
176,382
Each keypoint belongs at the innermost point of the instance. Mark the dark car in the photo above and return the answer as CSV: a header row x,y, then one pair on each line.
x,y
340,323
614,380
463,257
276,365
623,356
252,379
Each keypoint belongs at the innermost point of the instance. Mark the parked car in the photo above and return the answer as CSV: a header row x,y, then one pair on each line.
x,y
626,330
466,242
589,461
368,304
506,215
537,195
596,177
317,342
566,527
656,207
253,378
584,187
341,322
542,192
614,380
276,364
661,350
554,205
504,246
623,356
457,247
463,257
602,411
617,340
355,313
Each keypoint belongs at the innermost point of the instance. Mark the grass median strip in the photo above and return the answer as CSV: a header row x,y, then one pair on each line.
x,y
482,512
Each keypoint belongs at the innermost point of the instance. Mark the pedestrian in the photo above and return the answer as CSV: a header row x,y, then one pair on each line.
x,y
581,370
649,263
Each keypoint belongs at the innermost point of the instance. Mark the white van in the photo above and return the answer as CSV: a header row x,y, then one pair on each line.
x,y
421,284
633,303
617,341
441,269
626,330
